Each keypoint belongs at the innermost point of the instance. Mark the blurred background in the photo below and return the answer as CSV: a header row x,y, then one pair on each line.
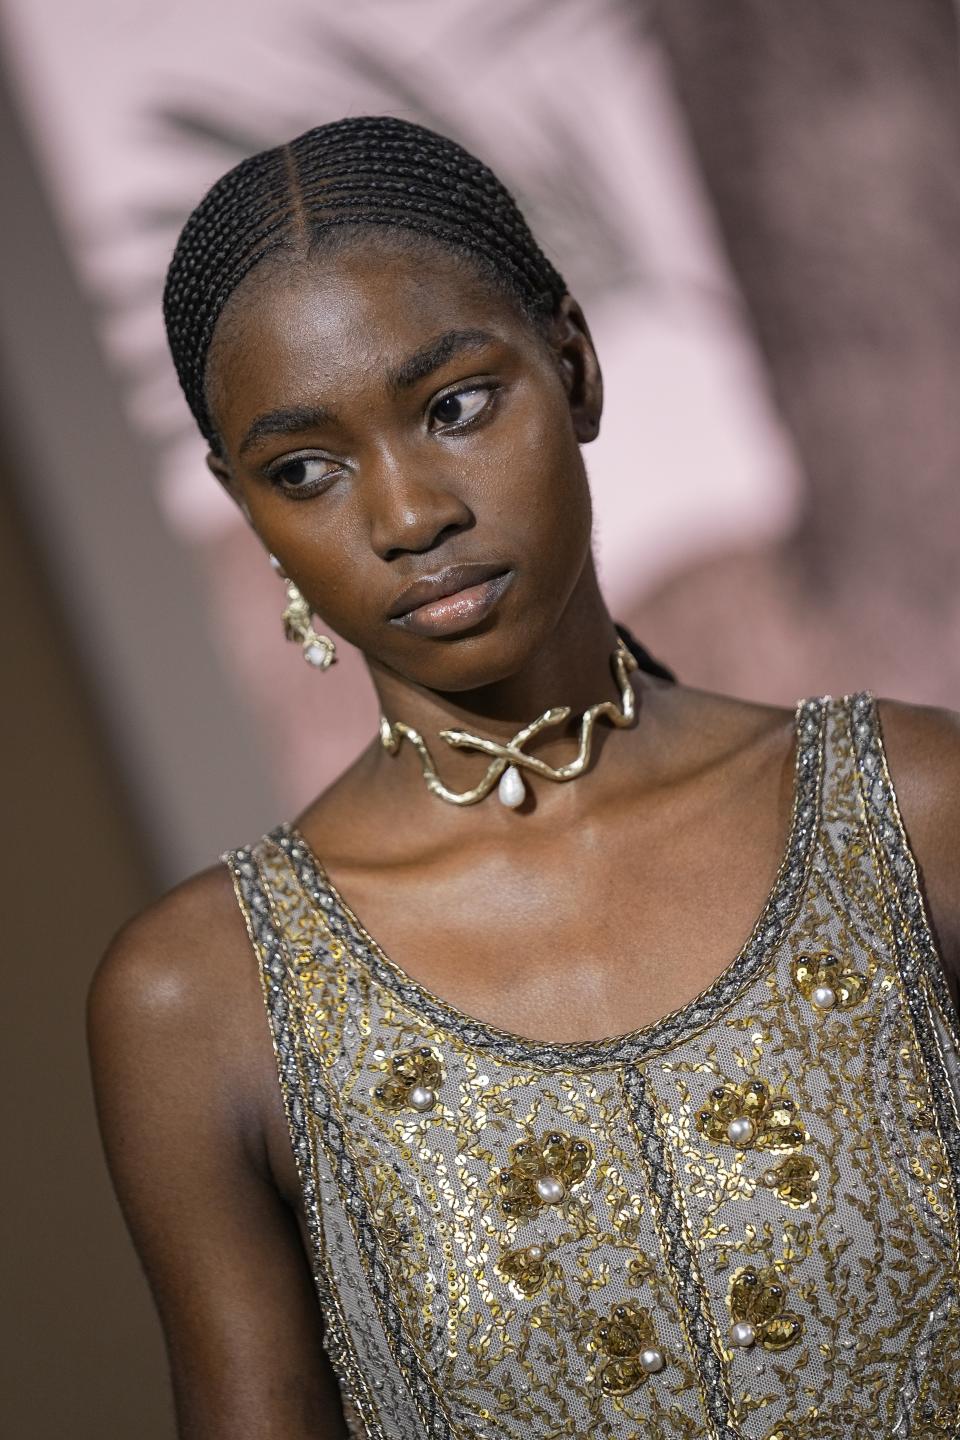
x,y
758,204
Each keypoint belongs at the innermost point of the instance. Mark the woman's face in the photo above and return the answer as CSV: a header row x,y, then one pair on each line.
x,y
397,431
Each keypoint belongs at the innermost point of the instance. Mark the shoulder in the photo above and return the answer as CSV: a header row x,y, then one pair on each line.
x,y
177,979
922,745
923,753
173,949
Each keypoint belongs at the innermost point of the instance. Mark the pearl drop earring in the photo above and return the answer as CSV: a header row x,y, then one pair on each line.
x,y
318,650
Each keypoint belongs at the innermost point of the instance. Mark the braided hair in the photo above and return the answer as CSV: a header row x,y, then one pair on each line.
x,y
368,171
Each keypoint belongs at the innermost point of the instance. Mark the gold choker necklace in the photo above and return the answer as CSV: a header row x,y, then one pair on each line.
x,y
508,760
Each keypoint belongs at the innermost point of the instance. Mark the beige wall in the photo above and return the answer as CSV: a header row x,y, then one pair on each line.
x,y
82,1348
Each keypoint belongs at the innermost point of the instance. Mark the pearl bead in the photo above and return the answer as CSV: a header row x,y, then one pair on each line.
x,y
511,790
743,1335
741,1131
534,1254
651,1361
421,1098
824,997
769,1178
550,1190
318,655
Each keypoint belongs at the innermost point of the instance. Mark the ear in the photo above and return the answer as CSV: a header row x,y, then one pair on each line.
x,y
221,471
579,368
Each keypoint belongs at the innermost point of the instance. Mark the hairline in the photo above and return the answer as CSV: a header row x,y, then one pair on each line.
x,y
328,241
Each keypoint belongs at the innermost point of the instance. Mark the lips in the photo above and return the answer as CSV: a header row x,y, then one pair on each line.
x,y
438,587
453,600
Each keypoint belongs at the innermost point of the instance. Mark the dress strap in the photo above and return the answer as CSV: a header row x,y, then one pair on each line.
x,y
897,864
268,903
921,966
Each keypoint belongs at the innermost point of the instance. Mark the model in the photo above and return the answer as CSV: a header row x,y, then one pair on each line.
x,y
477,1100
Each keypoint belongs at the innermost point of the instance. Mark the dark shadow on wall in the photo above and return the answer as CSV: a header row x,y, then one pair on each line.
x,y
82,1347
828,137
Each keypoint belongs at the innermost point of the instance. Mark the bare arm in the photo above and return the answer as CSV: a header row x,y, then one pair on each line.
x,y
923,747
188,1103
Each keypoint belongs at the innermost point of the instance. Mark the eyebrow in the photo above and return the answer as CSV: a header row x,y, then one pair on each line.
x,y
284,422
436,353
416,367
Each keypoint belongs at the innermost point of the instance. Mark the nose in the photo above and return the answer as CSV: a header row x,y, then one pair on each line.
x,y
412,511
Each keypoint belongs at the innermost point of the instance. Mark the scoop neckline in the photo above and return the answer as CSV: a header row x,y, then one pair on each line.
x,y
776,914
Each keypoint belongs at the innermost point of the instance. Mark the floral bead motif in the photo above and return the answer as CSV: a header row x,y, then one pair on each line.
x,y
793,1181
541,1172
527,1269
412,1082
747,1115
826,983
757,1301
628,1340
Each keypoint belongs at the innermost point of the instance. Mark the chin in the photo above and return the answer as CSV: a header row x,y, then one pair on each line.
x,y
486,656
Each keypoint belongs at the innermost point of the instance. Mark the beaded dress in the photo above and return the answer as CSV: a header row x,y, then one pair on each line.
x,y
740,1221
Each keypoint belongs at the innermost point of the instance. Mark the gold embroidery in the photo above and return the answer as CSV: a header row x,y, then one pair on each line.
x,y
793,1181
541,1172
749,1115
526,1269
413,1080
826,982
757,1299
930,1168
628,1339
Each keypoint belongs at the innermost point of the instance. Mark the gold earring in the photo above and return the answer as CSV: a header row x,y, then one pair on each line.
x,y
318,650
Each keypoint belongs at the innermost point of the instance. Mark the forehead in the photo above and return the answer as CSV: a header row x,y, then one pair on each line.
x,y
338,320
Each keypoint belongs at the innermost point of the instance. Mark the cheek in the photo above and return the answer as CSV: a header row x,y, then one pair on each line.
x,y
549,493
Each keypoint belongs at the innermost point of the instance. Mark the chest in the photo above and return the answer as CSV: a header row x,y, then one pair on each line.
x,y
574,935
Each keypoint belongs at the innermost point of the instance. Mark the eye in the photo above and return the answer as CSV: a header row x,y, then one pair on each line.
x,y
459,408
304,474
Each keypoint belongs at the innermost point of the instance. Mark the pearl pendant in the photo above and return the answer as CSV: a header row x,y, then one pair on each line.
x,y
511,790
550,1190
651,1361
421,1098
742,1335
741,1131
824,997
317,654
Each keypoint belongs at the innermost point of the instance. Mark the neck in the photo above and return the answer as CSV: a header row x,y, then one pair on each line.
x,y
573,668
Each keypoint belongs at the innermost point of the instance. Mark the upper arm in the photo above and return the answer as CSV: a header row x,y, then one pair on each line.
x,y
175,1044
923,750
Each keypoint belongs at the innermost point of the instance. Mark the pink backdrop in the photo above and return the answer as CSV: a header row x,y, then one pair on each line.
x,y
747,234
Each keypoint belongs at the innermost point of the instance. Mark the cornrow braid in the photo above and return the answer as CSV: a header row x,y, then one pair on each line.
x,y
373,170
